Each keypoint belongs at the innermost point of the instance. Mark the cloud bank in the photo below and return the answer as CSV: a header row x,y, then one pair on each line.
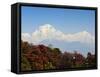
x,y
47,31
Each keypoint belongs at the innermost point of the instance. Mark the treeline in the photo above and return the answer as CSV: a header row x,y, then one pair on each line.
x,y
41,57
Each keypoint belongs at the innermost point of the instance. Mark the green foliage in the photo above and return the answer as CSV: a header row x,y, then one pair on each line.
x,y
49,66
57,51
25,65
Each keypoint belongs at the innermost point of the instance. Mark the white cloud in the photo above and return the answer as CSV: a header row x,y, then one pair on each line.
x,y
26,37
47,31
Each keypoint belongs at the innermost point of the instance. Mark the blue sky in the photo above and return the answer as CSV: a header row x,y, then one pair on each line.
x,y
65,20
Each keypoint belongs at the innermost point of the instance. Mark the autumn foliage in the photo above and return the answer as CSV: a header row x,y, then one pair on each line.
x,y
41,57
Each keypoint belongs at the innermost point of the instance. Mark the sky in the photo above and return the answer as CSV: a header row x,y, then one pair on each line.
x,y
64,26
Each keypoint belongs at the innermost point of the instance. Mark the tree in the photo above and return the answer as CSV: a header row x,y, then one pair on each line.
x,y
25,47
41,57
90,60
57,51
25,65
79,59
49,66
66,60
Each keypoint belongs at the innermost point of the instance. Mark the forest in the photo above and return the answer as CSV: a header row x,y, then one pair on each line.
x,y
41,57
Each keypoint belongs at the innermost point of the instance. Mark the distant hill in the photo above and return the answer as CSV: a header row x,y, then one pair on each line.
x,y
70,46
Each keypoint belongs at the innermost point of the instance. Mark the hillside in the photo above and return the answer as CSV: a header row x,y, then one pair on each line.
x,y
41,57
